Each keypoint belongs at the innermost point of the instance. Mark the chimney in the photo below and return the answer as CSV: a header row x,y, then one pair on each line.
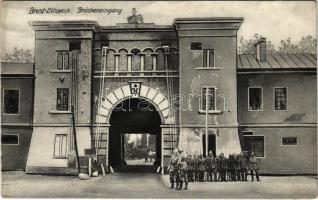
x,y
260,49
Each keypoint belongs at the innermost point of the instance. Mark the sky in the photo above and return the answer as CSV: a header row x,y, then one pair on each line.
x,y
275,20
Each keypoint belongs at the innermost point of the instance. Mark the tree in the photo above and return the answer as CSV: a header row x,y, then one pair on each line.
x,y
247,46
307,44
19,55
286,46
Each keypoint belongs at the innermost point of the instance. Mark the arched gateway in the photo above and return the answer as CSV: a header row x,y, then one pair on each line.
x,y
122,113
150,94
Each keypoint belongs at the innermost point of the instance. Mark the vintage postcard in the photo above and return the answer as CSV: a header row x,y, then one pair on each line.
x,y
159,99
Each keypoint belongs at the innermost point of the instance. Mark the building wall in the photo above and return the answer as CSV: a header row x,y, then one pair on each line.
x,y
223,78
151,39
49,79
302,101
17,76
193,77
288,159
299,120
25,86
14,157
48,121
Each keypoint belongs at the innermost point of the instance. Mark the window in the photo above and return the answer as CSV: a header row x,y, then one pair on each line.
x,y
10,139
208,58
63,61
60,146
252,143
280,98
11,100
62,99
210,92
247,132
255,99
289,141
196,46
75,46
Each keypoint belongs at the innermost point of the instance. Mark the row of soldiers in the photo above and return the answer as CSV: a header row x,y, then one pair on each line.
x,y
188,168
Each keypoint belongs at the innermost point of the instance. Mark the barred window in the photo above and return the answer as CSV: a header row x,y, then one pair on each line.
x,y
208,58
253,143
11,102
62,99
255,99
281,98
210,92
60,146
289,141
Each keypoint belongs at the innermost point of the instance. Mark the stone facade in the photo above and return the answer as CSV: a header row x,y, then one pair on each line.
x,y
177,67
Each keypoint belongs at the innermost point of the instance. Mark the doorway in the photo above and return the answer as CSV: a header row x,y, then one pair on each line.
x,y
134,133
211,144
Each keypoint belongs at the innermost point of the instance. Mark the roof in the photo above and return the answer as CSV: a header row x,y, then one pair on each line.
x,y
64,25
278,61
209,19
15,68
136,27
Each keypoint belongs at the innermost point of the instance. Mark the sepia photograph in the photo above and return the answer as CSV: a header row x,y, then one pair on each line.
x,y
159,99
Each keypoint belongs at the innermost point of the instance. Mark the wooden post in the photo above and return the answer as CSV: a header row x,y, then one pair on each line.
x,y
90,166
206,120
75,139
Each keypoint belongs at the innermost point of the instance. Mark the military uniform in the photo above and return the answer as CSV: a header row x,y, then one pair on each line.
x,y
183,174
201,164
210,167
196,168
222,162
231,168
243,166
253,166
173,171
237,176
190,163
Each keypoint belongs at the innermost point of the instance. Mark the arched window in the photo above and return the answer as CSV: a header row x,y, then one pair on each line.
x,y
111,61
135,60
160,59
148,62
122,61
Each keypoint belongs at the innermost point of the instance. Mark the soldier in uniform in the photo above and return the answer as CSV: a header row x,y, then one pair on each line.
x,y
222,167
243,161
227,170
217,163
183,173
209,164
253,165
214,168
173,169
201,163
236,168
190,163
196,168
230,168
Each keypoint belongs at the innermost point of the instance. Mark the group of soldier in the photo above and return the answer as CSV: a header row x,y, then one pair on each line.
x,y
192,168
